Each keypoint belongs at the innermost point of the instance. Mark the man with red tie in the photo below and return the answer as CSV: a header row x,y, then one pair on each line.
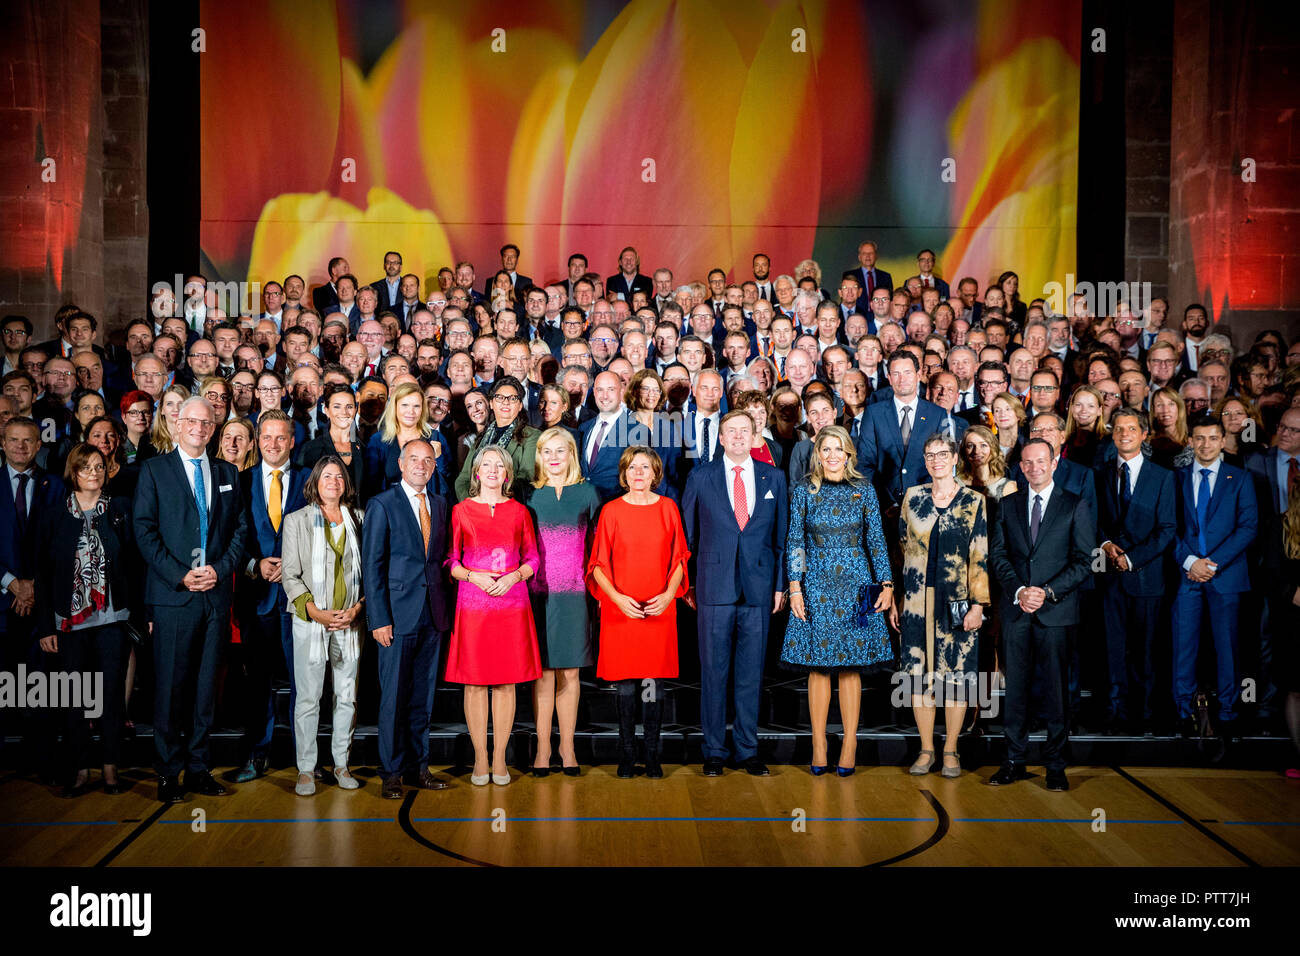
x,y
734,512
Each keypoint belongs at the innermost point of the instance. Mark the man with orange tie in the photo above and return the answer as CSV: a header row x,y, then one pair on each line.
x,y
269,492
403,545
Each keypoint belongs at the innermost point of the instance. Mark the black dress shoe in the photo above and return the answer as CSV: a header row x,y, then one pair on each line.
x,y
1056,781
392,787
1188,729
713,766
574,771
653,769
202,782
755,767
1008,773
626,769
540,771
169,790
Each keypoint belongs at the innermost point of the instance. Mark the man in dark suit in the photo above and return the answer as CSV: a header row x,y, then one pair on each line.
x,y
867,273
629,278
1217,520
605,436
1276,473
25,493
518,281
76,331
925,260
1040,546
268,493
190,530
326,297
389,288
403,546
734,511
893,434
1136,508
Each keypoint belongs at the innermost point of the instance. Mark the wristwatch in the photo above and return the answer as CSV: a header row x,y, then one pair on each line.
x,y
1051,595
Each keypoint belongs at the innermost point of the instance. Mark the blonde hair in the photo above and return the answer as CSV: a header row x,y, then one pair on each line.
x,y
815,472
997,464
573,475
388,423
161,436
1179,433
1098,427
506,481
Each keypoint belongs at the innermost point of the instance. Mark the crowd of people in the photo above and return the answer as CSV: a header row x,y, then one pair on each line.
x,y
948,484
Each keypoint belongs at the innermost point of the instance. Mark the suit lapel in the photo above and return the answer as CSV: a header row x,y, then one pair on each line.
x,y
1052,511
1217,494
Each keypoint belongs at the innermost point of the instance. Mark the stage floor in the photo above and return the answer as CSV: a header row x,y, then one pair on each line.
x,y
880,816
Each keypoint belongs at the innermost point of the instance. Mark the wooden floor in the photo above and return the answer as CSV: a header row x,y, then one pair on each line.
x,y
880,816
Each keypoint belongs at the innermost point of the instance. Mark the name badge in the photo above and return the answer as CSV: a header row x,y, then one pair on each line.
x,y
224,488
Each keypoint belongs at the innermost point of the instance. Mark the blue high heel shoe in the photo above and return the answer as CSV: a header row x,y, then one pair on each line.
x,y
845,771
817,770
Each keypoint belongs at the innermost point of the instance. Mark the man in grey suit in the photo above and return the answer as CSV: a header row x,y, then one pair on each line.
x,y
190,528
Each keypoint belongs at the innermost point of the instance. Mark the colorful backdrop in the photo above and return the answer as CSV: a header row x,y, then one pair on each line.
x,y
698,131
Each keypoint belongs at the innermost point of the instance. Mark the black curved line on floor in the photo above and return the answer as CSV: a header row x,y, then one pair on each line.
x,y
1187,817
130,837
940,831
404,818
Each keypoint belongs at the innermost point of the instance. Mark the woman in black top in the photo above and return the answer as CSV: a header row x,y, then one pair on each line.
x,y
82,591
341,409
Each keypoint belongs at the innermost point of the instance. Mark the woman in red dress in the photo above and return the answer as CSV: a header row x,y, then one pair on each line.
x,y
493,552
636,570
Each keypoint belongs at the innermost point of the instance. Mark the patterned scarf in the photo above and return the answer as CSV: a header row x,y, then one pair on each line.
x,y
89,568
495,434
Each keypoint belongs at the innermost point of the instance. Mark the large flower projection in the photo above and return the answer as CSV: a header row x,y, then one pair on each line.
x,y
699,131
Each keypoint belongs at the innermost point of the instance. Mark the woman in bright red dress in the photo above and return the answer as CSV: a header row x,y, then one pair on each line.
x,y
493,552
637,569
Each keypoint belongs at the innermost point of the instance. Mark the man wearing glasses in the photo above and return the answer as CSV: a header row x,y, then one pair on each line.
x,y
17,332
190,530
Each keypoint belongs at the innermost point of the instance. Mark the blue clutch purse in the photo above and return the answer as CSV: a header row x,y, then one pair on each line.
x,y
867,598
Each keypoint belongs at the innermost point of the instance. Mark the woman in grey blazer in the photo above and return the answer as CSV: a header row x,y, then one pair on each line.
x,y
321,557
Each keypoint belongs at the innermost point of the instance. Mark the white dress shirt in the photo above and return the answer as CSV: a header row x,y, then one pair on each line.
x,y
414,502
1198,489
189,473
1030,494
746,476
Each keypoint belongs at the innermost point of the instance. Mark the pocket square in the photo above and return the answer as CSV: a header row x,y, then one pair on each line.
x,y
768,495
224,488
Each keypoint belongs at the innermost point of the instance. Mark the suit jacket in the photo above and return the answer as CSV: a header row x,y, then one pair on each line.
x,y
59,531
325,298
18,553
1230,527
882,280
731,565
622,434
401,578
522,282
939,284
54,349
617,284
381,289
1262,468
1060,559
1145,532
166,523
881,456
262,540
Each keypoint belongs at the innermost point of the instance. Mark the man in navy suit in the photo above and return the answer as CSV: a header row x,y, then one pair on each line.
x,y
867,273
190,529
893,434
604,437
629,278
268,493
925,272
1136,508
26,492
403,545
1040,546
389,288
1217,520
1276,473
734,511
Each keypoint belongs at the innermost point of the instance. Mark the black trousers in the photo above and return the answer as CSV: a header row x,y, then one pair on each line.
x,y
101,649
1028,647
187,649
652,714
37,726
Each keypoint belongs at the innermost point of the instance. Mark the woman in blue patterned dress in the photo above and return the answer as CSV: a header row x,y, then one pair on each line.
x,y
835,551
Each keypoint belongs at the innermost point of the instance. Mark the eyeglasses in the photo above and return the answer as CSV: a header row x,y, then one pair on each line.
x,y
509,399
440,401
141,414
1288,429
59,373
91,470
196,422
936,455
1044,388
203,355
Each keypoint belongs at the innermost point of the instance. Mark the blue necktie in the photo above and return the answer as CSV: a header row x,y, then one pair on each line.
x,y
1125,490
706,448
201,502
1203,510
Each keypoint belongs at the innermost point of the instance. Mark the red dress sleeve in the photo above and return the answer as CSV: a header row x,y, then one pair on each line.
x,y
601,551
455,541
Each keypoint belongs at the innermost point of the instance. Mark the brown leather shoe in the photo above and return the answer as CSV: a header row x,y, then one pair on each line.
x,y
429,782
392,789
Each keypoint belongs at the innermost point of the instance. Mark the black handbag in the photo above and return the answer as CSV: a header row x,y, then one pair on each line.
x,y
957,611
